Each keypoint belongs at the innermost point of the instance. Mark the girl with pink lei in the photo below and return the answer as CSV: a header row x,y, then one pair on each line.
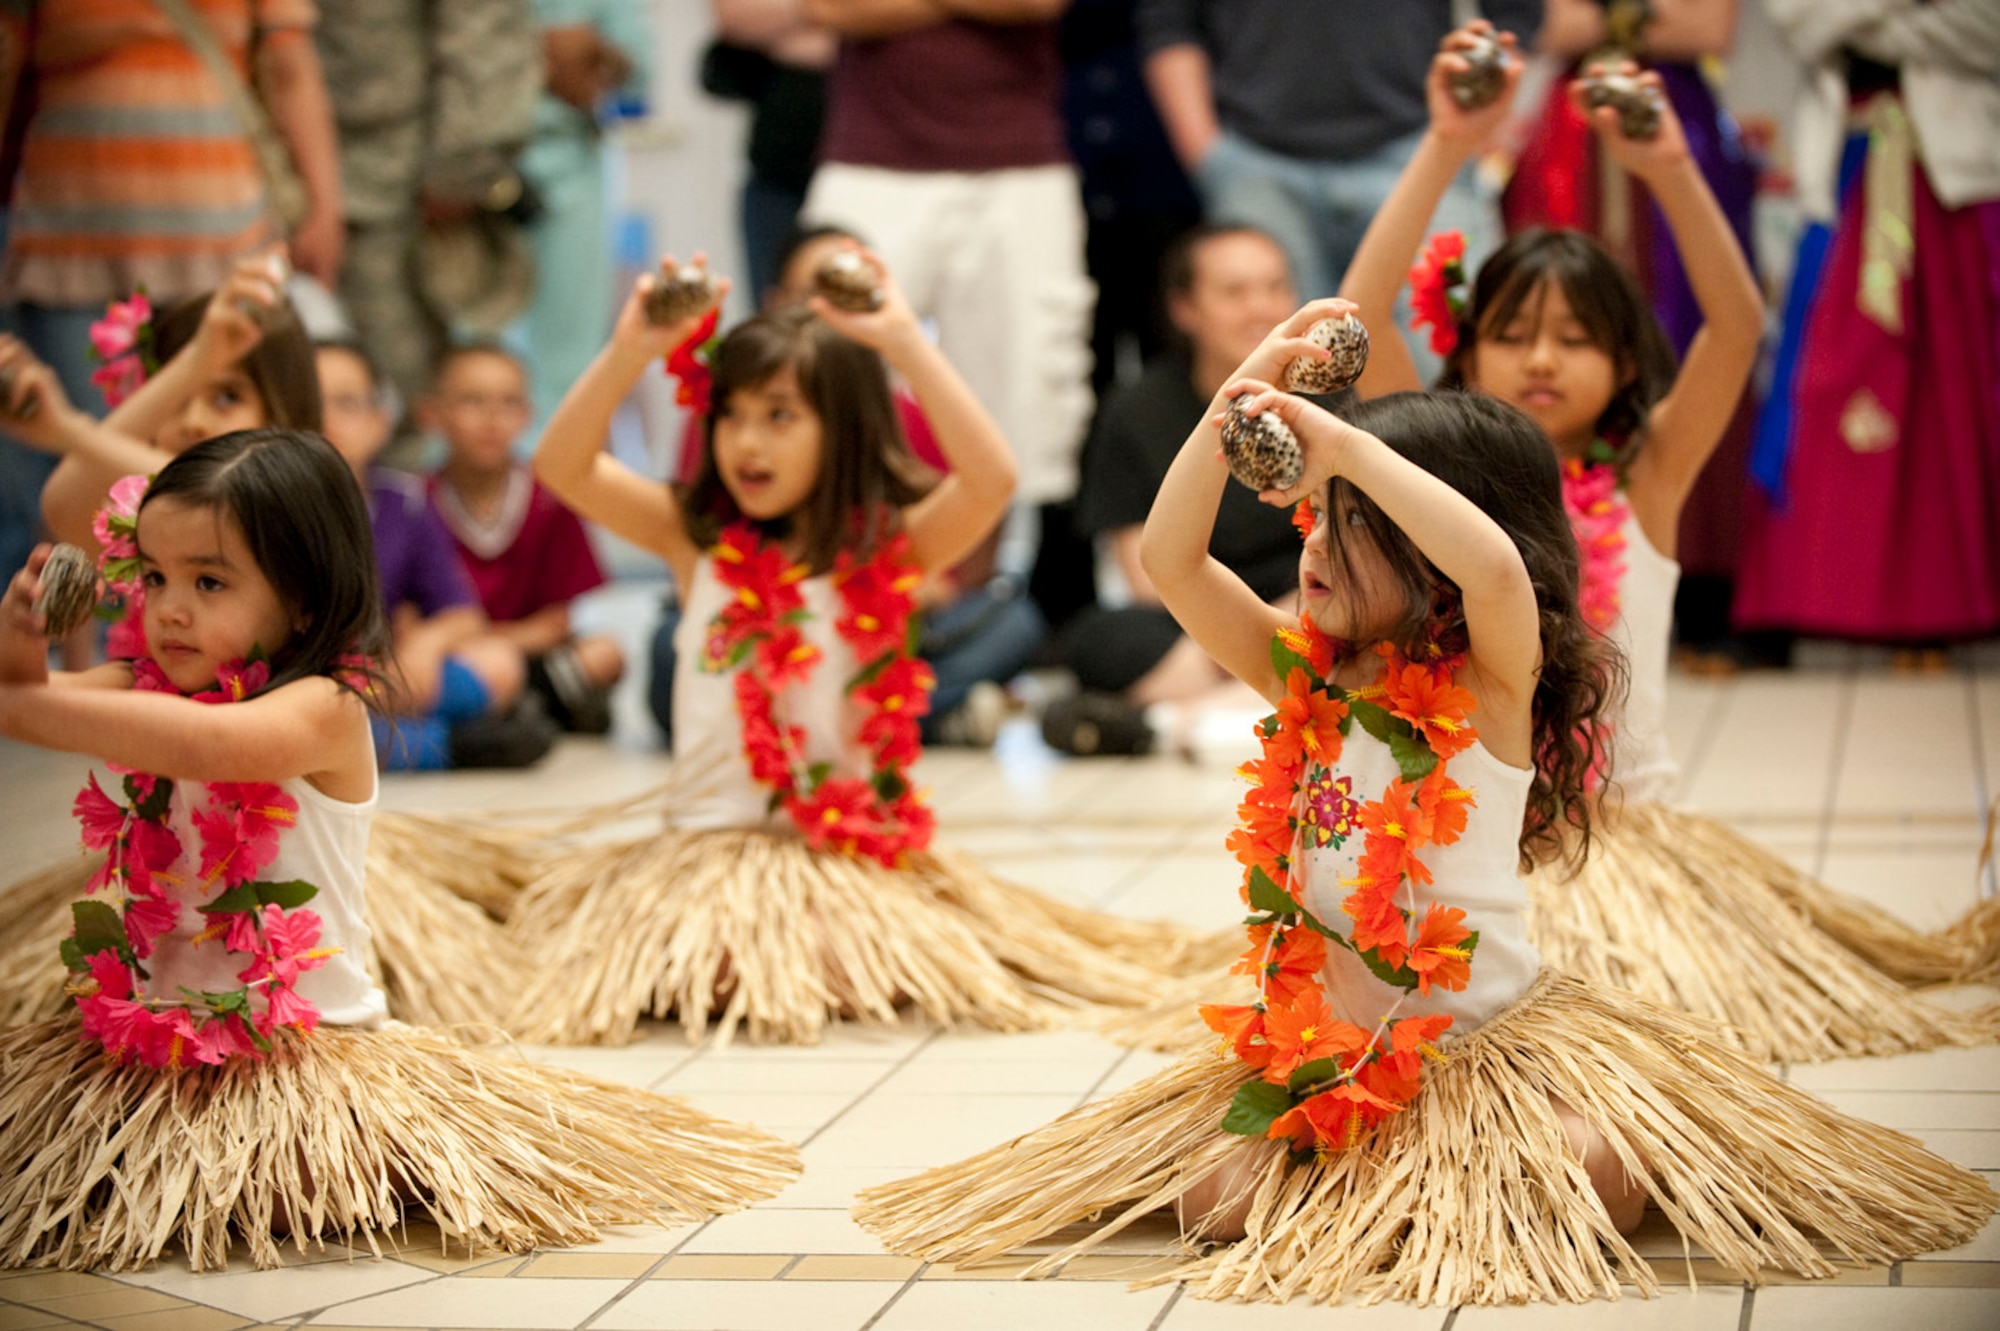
x,y
1670,905
794,881
236,359
1414,1106
223,1004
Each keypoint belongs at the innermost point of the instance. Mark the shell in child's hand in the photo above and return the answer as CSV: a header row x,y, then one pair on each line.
x,y
1347,339
848,283
279,269
69,591
1477,86
680,292
1638,105
25,411
1261,450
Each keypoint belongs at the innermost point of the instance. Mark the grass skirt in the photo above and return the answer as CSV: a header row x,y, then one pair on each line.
x,y
1471,1195
103,1166
441,959
1677,908
754,928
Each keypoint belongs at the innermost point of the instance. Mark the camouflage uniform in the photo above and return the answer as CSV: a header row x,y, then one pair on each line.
x,y
431,98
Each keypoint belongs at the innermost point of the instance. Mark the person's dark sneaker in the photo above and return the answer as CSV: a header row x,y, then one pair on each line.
x,y
575,704
519,737
1088,724
974,723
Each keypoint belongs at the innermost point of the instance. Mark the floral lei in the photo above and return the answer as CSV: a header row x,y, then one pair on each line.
x,y
122,345
882,816
1324,1081
1434,284
239,828
1597,511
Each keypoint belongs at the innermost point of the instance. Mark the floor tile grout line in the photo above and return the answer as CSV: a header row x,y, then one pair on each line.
x,y
1709,729
1749,1303
1843,728
1167,1308
1988,885
874,1086
890,1302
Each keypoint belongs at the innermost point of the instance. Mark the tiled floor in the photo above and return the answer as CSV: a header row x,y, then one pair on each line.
x,y
1878,782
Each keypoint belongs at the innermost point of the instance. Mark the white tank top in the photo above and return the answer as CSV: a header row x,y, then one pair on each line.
x,y
1478,873
1641,763
328,847
718,790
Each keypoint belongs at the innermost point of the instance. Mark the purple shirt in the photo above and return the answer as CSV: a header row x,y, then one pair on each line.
x,y
418,561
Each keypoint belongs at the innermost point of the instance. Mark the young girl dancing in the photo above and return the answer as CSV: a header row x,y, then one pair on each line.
x,y
1670,905
1463,1125
794,882
226,1070
236,359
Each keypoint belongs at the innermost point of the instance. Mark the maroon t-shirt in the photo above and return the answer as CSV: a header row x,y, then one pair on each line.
x,y
960,96
533,554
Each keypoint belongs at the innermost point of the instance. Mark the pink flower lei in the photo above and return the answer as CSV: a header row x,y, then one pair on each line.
x,y
1597,511
122,344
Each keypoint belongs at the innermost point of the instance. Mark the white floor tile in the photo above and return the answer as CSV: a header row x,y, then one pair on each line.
x,y
471,1301
1847,1308
287,1292
1675,1310
745,1305
1012,1305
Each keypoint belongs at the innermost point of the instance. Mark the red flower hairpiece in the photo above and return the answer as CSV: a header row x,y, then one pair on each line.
x,y
1434,284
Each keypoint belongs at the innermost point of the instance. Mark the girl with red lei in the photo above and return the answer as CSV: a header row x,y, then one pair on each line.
x,y
1553,326
795,881
226,1027
1412,1106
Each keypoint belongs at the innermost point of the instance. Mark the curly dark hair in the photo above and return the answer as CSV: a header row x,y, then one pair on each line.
x,y
1499,459
867,472
1605,299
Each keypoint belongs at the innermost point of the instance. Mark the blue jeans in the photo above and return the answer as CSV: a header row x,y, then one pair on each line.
x,y
61,337
988,633
1318,211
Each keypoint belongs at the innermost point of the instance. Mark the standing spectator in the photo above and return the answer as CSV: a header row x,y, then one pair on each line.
x,y
944,146
1298,118
1226,287
1879,444
136,170
770,55
433,103
527,555
591,49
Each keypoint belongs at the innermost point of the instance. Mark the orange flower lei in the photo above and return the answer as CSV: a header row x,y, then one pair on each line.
x,y
883,816
1323,1081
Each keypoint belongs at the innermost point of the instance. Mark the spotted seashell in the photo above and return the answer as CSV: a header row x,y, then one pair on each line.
x,y
848,283
1261,450
69,590
1347,339
279,269
1477,87
26,410
1638,105
680,293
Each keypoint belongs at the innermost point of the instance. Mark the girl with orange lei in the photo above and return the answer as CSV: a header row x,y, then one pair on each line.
x,y
1413,1107
795,880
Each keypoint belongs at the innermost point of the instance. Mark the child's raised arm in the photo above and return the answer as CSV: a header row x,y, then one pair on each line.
x,y
1687,424
961,511
571,460
229,330
1212,604
1469,548
1382,262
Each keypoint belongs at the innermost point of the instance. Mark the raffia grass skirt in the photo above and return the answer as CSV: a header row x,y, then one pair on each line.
x,y
755,929
441,959
1677,908
103,1166
1471,1194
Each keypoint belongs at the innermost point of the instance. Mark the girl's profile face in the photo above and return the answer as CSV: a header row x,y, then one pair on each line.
x,y
768,447
1350,593
1544,361
354,420
222,403
207,601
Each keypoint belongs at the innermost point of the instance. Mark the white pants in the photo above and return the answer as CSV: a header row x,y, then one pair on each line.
x,y
996,259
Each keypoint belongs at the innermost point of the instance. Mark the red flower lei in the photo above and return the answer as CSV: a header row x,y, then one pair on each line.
x,y
1324,1081
882,816
239,825
1597,512
688,364
1434,284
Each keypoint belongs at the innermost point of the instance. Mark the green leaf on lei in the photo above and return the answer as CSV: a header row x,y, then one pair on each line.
x,y
98,929
1255,1107
1413,755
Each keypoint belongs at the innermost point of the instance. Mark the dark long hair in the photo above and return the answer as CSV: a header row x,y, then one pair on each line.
x,y
1605,299
1499,459
281,367
866,470
306,525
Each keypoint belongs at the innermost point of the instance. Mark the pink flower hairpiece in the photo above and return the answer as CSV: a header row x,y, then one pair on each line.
x,y
122,344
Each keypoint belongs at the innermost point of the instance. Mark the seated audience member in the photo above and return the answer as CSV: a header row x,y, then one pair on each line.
x,y
527,555
1225,287
456,687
